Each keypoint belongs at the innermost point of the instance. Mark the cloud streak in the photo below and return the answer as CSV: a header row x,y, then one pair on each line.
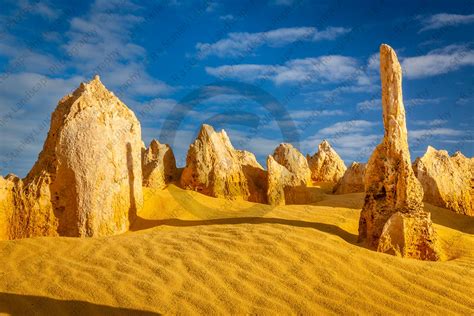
x,y
237,44
441,20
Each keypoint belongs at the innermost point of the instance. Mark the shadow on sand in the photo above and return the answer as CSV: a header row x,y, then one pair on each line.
x,y
141,223
15,304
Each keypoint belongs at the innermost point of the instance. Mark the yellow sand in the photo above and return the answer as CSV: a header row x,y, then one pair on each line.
x,y
192,254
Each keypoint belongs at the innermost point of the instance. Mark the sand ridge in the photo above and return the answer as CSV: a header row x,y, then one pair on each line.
x,y
220,257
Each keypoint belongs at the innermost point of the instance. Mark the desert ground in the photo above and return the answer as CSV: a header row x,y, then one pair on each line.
x,y
188,253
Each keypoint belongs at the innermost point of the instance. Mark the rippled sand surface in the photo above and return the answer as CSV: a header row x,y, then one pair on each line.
x,y
192,254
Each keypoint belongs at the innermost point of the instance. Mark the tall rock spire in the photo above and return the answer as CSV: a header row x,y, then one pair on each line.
x,y
392,219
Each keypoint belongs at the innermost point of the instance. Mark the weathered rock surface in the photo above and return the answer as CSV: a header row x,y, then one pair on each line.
x,y
215,168
353,179
158,165
288,177
446,180
88,178
390,183
8,192
405,235
325,164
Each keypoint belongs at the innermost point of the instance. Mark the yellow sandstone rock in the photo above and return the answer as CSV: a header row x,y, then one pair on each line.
x,y
88,178
390,183
326,165
446,180
288,177
158,165
353,179
215,168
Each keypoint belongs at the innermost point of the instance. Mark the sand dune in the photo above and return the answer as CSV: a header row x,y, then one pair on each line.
x,y
189,253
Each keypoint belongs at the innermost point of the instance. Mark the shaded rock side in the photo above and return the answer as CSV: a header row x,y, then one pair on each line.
x,y
325,164
88,178
408,235
288,177
353,179
390,183
215,168
158,165
446,180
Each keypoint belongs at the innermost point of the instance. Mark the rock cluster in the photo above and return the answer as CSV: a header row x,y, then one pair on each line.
x,y
353,179
215,168
88,178
446,180
288,176
392,219
158,165
325,164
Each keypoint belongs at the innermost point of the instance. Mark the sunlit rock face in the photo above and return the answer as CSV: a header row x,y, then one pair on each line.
x,y
325,164
88,177
447,181
158,165
288,176
392,219
215,168
353,179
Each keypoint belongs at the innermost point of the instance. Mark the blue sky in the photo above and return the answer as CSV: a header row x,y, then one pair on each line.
x,y
312,67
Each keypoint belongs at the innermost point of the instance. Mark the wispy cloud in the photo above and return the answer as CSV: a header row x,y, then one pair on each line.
x,y
441,20
240,43
227,17
332,68
376,104
438,61
101,41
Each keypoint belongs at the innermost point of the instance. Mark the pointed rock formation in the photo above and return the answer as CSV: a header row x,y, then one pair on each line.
x,y
215,168
326,165
392,219
288,177
446,180
353,179
158,165
8,197
88,178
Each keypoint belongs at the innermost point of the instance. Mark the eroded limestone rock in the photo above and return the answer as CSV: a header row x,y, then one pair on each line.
x,y
353,179
325,164
446,180
288,177
158,165
390,183
88,179
215,168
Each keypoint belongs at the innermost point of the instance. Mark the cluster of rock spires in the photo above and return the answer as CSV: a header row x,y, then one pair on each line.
x,y
89,176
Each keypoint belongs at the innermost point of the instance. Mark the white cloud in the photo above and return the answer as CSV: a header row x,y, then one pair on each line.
x,y
347,127
227,17
283,2
376,104
441,20
237,44
101,42
332,68
438,61
436,122
428,133
304,114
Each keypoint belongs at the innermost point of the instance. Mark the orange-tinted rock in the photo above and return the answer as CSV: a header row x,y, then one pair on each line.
x,y
353,179
288,177
326,165
88,179
390,183
215,168
158,165
446,180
